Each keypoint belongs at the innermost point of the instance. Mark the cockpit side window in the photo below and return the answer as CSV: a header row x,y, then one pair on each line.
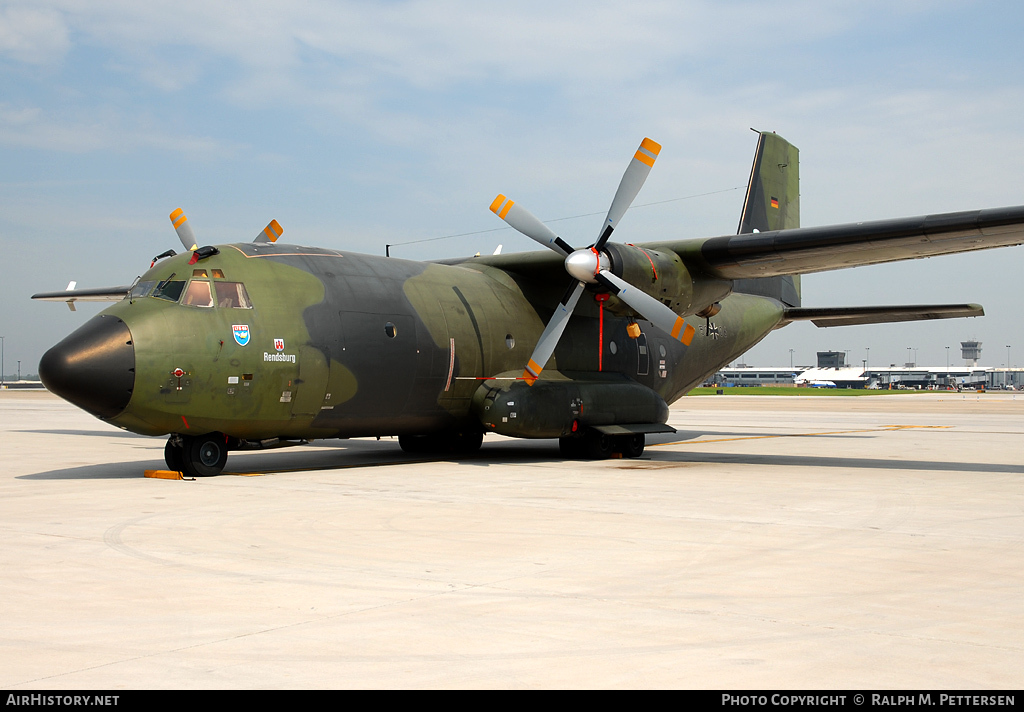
x,y
198,294
141,289
233,295
171,291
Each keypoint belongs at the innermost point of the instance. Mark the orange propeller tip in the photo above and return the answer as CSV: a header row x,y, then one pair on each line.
x,y
651,145
496,203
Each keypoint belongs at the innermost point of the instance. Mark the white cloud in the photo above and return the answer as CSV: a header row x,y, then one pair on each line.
x,y
32,34
31,127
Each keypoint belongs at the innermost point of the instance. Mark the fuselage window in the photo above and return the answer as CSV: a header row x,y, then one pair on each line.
x,y
390,330
171,291
198,295
232,294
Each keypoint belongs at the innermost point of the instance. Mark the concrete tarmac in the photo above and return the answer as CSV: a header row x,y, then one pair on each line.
x,y
775,542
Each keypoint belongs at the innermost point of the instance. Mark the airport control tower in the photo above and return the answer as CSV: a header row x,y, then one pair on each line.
x,y
971,352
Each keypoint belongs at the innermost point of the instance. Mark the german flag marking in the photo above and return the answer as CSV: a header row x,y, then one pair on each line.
x,y
504,211
688,333
497,203
775,202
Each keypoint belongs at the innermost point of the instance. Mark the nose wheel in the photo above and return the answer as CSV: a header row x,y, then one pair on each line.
x,y
197,456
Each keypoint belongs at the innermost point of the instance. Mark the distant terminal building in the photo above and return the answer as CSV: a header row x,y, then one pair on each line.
x,y
857,377
754,376
970,351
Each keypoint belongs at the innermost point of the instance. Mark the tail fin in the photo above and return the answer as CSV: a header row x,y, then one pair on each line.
x,y
772,203
773,194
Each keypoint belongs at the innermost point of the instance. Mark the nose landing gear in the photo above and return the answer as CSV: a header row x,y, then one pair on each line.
x,y
197,455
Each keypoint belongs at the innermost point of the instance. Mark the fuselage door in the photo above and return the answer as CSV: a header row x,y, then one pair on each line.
x,y
384,363
311,384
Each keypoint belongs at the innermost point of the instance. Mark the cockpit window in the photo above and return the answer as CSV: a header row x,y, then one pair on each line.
x,y
198,294
232,294
171,291
142,289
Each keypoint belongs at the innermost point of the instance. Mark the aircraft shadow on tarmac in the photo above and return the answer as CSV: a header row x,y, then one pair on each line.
x,y
95,433
320,456
330,455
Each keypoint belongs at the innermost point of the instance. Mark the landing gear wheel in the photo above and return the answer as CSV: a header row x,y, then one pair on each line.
x,y
414,444
597,445
205,455
467,442
174,455
631,445
571,447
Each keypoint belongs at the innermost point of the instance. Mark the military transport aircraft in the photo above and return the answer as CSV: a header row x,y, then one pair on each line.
x,y
262,344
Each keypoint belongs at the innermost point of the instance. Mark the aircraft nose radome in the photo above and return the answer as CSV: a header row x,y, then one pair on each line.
x,y
94,367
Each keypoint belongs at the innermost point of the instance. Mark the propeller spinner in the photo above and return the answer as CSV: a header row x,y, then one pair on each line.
x,y
591,265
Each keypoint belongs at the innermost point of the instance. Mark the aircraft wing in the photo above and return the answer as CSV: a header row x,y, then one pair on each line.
x,y
817,249
97,294
850,316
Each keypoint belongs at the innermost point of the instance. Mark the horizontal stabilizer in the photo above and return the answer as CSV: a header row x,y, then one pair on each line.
x,y
852,316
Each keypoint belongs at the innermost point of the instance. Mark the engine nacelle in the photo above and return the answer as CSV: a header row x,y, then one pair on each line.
x,y
663,276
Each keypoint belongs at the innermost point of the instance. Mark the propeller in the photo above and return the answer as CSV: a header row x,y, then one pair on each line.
x,y
591,265
184,230
523,221
270,233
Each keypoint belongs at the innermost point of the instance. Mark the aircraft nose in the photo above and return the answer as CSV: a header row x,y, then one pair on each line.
x,y
94,367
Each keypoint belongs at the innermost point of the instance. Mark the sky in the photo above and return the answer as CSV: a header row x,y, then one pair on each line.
x,y
359,124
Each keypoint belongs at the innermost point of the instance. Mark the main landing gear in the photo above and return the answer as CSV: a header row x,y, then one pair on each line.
x,y
197,455
594,445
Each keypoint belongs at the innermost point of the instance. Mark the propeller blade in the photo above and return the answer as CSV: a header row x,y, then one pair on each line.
x,y
632,181
552,333
648,307
184,230
270,233
521,219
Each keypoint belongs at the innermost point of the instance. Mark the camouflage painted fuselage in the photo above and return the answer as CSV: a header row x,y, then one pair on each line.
x,y
345,345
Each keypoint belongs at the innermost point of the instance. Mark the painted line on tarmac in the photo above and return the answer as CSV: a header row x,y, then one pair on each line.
x,y
883,429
